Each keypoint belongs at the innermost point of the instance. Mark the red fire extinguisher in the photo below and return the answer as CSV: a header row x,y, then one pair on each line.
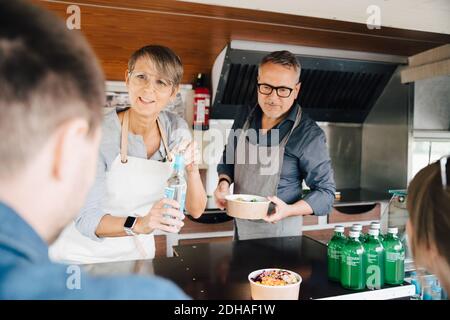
x,y
202,100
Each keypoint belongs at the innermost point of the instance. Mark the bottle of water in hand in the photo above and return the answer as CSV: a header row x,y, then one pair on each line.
x,y
177,182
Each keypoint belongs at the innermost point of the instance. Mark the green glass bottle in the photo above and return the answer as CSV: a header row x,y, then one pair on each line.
x,y
374,260
334,252
352,264
358,227
394,265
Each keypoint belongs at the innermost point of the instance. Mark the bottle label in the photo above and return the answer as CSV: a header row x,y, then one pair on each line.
x,y
372,258
394,256
353,261
334,253
352,272
169,193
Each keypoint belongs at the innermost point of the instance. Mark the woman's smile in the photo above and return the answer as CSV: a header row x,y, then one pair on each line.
x,y
146,101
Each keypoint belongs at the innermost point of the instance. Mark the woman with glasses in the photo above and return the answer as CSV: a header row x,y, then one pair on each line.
x,y
273,148
125,206
428,227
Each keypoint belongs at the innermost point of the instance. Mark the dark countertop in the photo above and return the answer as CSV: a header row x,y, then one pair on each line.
x,y
220,270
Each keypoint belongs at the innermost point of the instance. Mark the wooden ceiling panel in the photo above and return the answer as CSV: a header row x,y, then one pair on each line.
x,y
197,33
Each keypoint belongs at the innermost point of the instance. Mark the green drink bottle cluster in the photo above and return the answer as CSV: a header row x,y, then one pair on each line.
x,y
352,264
394,266
366,261
334,251
374,260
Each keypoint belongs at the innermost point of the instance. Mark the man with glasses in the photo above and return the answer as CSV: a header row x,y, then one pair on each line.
x,y
282,137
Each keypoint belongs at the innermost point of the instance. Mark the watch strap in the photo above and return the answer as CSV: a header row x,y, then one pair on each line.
x,y
224,179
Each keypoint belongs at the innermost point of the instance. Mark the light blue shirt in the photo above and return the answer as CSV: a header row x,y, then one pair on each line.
x,y
176,130
27,273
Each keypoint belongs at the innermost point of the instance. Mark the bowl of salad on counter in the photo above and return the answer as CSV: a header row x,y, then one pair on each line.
x,y
247,206
274,284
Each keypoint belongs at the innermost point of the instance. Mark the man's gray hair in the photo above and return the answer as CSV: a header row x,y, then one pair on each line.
x,y
284,58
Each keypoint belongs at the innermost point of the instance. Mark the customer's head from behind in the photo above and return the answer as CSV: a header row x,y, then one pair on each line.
x,y
153,78
51,98
429,220
278,83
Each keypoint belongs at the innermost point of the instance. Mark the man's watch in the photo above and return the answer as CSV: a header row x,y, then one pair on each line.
x,y
129,225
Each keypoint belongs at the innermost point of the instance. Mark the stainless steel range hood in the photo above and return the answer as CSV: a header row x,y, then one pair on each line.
x,y
337,85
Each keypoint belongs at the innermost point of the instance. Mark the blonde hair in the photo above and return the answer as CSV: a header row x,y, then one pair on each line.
x,y
167,63
429,212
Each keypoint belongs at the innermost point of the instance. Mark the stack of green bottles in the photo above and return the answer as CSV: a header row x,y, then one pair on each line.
x,y
366,261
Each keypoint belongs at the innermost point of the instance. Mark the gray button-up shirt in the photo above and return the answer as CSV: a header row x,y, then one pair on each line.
x,y
305,158
176,130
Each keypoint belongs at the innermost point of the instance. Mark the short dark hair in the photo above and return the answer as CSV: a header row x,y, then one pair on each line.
x,y
167,63
284,58
48,75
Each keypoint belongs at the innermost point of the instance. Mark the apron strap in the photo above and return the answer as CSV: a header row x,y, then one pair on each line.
x,y
164,139
298,118
124,137
284,142
250,116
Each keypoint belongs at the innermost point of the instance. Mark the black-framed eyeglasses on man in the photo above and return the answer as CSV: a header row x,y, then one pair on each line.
x,y
282,92
445,171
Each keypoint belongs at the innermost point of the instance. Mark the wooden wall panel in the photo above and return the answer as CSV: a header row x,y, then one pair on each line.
x,y
310,220
197,227
199,32
337,216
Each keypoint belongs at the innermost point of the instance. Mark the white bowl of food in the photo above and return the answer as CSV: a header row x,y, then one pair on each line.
x,y
247,206
274,284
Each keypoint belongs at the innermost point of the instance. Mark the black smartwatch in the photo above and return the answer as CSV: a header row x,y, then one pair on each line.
x,y
224,179
129,225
